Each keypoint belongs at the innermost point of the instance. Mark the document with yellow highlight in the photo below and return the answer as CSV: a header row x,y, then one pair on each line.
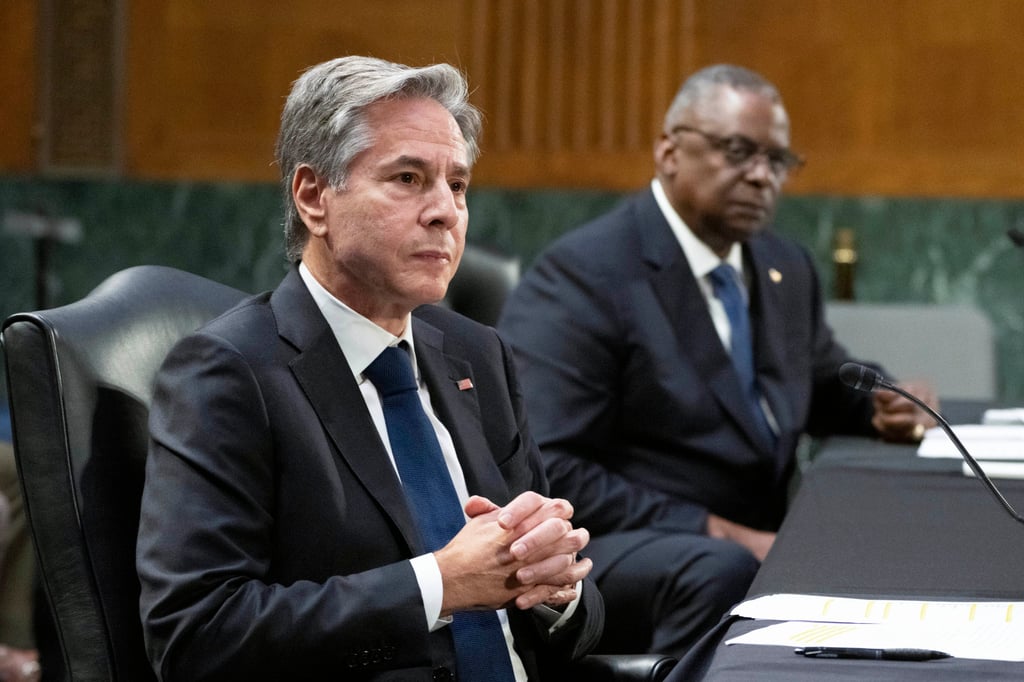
x,y
965,629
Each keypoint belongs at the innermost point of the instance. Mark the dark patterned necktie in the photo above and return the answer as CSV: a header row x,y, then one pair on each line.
x,y
724,281
480,649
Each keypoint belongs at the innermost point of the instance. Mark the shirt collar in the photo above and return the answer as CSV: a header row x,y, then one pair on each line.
x,y
360,339
700,256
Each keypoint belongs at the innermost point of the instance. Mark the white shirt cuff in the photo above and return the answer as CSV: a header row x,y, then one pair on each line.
x,y
555,618
428,576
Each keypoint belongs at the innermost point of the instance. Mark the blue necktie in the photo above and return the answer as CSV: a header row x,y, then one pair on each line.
x,y
724,281
481,652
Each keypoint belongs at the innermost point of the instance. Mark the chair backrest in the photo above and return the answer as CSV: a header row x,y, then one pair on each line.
x,y
952,346
483,281
80,380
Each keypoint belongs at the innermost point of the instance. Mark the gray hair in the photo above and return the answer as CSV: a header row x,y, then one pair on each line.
x,y
324,121
697,87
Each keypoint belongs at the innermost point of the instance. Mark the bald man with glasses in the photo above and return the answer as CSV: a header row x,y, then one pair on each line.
x,y
671,353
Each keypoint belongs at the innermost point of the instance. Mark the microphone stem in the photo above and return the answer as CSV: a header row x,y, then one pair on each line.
x,y
971,462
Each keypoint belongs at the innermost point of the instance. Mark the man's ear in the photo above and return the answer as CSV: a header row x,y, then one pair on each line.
x,y
664,155
308,191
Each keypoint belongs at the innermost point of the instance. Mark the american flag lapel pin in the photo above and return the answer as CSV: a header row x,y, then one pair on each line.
x,y
464,384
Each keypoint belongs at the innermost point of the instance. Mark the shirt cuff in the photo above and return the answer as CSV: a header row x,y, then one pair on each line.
x,y
554,618
428,576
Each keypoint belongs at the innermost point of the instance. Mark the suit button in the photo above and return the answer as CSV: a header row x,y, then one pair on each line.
x,y
443,675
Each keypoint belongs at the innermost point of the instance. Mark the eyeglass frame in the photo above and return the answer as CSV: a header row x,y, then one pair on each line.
x,y
781,160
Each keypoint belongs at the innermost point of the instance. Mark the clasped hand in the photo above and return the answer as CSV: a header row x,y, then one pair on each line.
x,y
522,554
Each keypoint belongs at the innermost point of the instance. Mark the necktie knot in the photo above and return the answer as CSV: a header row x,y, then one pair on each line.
x,y
391,372
723,279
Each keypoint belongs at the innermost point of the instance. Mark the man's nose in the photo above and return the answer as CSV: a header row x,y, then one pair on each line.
x,y
442,206
758,168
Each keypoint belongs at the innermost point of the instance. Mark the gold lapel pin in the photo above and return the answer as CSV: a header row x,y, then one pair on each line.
x,y
775,275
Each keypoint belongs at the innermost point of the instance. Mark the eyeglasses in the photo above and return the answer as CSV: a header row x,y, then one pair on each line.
x,y
740,151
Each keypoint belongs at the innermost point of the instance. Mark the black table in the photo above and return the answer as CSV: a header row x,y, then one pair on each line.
x,y
873,520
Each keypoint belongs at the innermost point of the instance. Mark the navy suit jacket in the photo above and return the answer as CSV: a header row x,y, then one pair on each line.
x,y
275,537
633,399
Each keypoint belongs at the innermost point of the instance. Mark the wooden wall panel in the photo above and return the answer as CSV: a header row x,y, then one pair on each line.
x,y
897,97
888,96
17,85
206,80
80,83
574,90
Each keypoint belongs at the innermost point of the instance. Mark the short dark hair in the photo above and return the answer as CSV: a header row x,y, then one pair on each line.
x,y
695,89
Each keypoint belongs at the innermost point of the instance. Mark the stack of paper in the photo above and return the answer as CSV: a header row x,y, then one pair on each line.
x,y
999,448
1012,415
984,630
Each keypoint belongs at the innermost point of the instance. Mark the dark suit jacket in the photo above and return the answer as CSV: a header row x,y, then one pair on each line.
x,y
275,537
632,397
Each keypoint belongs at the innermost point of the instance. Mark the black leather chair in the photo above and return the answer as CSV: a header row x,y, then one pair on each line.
x,y
484,280
80,379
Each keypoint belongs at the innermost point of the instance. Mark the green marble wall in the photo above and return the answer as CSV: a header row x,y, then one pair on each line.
x,y
920,250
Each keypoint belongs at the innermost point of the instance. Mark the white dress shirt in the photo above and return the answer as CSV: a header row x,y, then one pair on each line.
x,y
362,341
702,261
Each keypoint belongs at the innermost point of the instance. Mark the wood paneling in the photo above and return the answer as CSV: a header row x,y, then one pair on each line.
x,y
574,90
80,82
898,97
206,80
888,96
17,85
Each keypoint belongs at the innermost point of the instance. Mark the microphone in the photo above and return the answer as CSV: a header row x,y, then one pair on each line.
x,y
864,378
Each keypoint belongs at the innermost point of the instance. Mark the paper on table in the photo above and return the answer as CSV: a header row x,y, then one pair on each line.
x,y
823,608
983,441
1011,415
966,629
997,469
990,641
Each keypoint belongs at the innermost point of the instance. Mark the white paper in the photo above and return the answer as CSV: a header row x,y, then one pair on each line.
x,y
990,641
997,469
965,629
983,441
823,608
1012,415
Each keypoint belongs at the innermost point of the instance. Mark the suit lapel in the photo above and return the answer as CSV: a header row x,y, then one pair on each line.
x,y
682,300
459,410
323,373
766,311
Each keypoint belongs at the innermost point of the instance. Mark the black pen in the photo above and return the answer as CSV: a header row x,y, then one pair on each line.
x,y
872,654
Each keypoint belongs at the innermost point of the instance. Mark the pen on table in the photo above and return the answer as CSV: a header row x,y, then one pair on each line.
x,y
872,654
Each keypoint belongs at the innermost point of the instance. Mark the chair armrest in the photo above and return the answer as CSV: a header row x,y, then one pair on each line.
x,y
622,668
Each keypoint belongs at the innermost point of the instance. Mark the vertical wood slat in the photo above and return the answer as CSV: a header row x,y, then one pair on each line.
x,y
81,84
582,94
501,75
576,75
479,15
609,97
558,75
636,132
662,62
531,91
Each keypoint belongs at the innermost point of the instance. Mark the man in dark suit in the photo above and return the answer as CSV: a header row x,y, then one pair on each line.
x,y
279,536
668,393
